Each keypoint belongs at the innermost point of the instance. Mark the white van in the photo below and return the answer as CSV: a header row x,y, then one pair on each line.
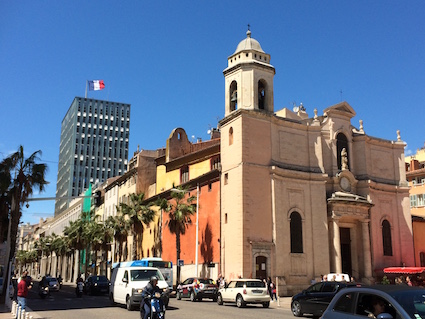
x,y
128,280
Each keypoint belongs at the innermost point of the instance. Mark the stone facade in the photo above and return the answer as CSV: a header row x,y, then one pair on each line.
x,y
305,196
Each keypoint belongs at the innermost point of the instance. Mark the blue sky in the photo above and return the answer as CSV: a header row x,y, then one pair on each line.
x,y
166,59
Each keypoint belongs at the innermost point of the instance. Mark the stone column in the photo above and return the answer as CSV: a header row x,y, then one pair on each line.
x,y
366,249
337,246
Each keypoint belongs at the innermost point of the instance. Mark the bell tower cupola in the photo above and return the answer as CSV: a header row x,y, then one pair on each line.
x,y
249,78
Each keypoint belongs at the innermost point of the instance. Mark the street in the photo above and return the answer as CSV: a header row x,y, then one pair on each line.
x,y
65,305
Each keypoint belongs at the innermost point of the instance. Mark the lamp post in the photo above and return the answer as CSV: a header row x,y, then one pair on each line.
x,y
197,224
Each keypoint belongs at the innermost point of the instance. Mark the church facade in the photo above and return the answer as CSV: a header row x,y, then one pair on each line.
x,y
305,196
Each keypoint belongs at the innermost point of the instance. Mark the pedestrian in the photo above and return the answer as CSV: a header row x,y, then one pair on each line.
x,y
23,286
269,288
273,289
409,281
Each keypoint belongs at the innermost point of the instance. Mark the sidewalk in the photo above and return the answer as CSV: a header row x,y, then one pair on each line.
x,y
282,303
6,314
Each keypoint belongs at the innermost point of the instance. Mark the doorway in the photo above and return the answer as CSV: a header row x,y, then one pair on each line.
x,y
346,251
261,267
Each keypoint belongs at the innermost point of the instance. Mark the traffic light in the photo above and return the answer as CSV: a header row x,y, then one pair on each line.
x,y
97,198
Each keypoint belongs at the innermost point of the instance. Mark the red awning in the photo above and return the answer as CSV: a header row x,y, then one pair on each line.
x,y
404,270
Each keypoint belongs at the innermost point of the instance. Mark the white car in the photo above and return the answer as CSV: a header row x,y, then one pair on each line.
x,y
244,291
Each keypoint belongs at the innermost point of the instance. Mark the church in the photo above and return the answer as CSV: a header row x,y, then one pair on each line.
x,y
303,196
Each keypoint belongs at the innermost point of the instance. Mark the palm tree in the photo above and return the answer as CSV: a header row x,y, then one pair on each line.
x,y
27,176
179,212
58,246
120,227
74,231
140,215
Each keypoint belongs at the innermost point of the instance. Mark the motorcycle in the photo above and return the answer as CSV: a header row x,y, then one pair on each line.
x,y
157,307
79,289
43,292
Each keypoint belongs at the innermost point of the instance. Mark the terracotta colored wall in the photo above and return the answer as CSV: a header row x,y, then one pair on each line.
x,y
209,231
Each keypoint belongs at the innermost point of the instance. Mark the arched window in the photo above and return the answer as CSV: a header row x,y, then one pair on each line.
x,y
231,136
296,233
261,95
233,96
386,238
341,143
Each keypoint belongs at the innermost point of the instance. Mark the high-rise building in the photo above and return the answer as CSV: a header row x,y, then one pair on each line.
x,y
93,146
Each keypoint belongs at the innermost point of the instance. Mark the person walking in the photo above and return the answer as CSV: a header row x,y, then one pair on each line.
x,y
273,289
23,286
269,288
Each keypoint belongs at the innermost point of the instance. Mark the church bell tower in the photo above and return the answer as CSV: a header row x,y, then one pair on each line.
x,y
249,78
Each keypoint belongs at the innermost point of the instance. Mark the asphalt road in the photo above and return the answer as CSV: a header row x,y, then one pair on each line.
x,y
65,305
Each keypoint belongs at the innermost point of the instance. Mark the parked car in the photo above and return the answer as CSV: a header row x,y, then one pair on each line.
x,y
53,283
197,289
381,301
317,297
244,291
96,285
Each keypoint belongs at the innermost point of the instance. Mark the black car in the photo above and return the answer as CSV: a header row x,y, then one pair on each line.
x,y
317,297
197,289
96,285
380,301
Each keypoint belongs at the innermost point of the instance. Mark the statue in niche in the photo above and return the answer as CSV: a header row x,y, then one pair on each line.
x,y
344,159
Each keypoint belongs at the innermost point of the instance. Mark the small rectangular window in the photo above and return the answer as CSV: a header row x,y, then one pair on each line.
x,y
226,178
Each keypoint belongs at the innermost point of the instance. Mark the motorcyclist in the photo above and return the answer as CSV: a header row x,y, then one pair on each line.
x,y
43,282
150,289
80,282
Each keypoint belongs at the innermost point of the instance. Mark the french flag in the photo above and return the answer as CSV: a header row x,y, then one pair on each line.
x,y
96,85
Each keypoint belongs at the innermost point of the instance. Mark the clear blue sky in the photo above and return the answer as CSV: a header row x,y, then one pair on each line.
x,y
166,59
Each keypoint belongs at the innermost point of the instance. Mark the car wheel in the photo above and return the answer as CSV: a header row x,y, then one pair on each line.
x,y
296,309
192,296
128,304
240,302
219,300
179,295
266,304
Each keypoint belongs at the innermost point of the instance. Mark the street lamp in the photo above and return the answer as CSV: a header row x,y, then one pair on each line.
x,y
197,224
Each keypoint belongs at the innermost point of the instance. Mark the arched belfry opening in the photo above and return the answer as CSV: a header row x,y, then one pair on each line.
x,y
262,94
233,96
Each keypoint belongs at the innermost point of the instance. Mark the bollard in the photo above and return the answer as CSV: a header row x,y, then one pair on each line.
x,y
13,309
23,314
18,312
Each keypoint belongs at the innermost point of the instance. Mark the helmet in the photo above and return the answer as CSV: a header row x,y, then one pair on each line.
x,y
154,278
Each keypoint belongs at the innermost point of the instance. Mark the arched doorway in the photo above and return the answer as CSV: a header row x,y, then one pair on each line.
x,y
261,267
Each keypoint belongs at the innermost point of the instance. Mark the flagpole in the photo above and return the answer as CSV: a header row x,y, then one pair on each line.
x,y
85,96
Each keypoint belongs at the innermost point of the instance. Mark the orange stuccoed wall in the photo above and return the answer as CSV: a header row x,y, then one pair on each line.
x,y
209,230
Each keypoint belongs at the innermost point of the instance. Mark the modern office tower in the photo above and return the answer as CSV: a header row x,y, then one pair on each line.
x,y
93,146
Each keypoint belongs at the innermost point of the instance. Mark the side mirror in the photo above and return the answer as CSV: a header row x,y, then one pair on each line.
x,y
226,285
125,280
165,278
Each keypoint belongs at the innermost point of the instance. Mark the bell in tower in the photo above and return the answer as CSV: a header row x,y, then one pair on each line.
x,y
249,78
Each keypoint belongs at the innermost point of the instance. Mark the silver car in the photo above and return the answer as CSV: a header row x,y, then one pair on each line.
x,y
380,301
53,284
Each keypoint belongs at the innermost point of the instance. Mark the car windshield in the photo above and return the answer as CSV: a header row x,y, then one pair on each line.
x,y
100,279
412,301
145,274
255,284
206,281
51,279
